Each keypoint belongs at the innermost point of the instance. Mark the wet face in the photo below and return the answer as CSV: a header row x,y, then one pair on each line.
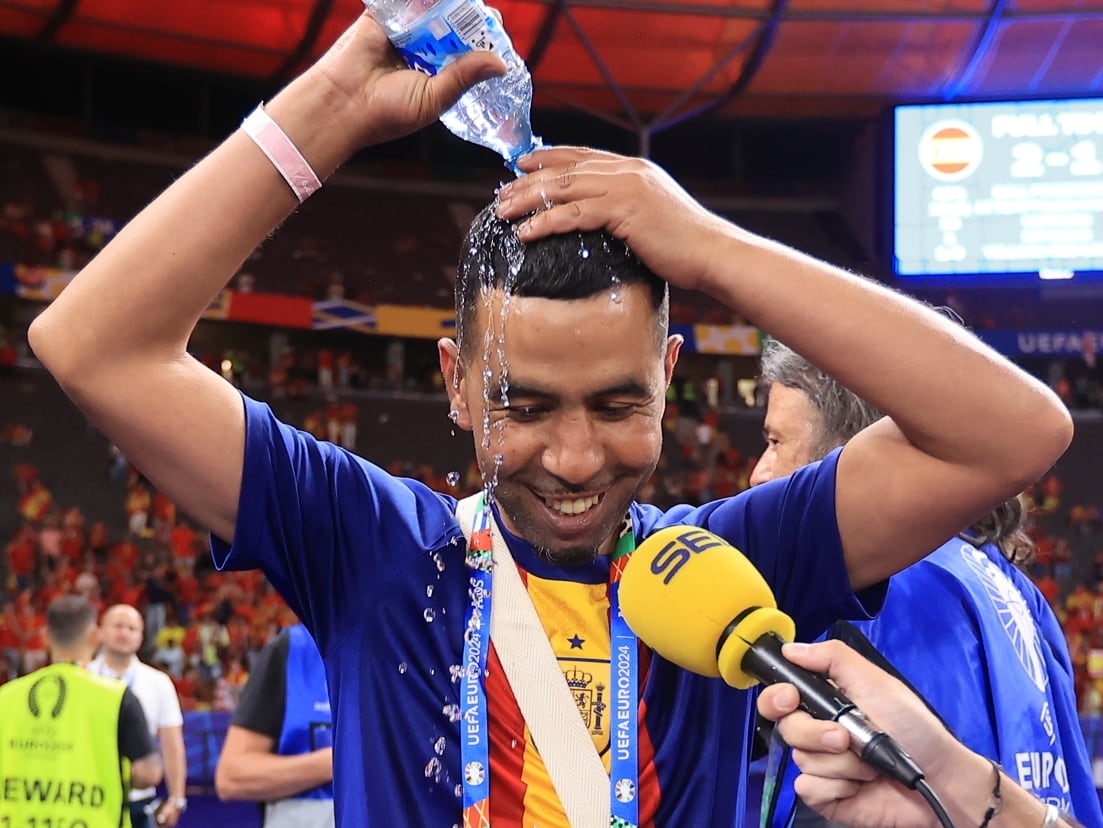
x,y
791,431
571,430
121,630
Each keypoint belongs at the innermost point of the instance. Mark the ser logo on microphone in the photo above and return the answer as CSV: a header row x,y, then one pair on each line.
x,y
677,553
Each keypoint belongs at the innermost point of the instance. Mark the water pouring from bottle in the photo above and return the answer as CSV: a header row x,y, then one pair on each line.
x,y
430,34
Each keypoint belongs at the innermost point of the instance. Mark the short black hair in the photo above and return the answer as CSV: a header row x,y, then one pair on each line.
x,y
69,618
564,266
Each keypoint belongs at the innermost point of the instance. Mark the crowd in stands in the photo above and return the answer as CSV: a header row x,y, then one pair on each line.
x,y
203,627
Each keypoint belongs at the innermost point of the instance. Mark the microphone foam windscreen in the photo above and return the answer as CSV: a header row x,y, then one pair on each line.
x,y
682,588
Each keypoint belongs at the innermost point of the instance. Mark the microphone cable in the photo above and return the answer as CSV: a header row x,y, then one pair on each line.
x,y
935,803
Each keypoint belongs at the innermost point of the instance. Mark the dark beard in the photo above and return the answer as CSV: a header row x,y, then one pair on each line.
x,y
567,557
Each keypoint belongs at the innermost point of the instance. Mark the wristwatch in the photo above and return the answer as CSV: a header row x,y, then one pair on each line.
x,y
180,803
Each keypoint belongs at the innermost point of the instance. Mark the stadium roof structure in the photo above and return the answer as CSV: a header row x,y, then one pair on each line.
x,y
648,64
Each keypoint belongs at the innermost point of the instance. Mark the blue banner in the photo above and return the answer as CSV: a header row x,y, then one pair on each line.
x,y
1044,343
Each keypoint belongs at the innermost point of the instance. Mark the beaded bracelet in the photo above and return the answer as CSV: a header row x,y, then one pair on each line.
x,y
995,801
283,154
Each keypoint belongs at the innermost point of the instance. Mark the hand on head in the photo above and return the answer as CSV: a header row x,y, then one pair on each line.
x,y
631,198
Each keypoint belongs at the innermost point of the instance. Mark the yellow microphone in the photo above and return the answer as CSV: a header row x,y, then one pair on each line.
x,y
697,601
685,593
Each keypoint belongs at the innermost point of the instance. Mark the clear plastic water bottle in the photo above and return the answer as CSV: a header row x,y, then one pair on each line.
x,y
430,34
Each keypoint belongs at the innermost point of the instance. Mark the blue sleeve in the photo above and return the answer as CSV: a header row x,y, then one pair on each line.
x,y
789,530
330,530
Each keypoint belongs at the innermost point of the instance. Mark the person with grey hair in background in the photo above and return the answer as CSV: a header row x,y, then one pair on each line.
x,y
964,626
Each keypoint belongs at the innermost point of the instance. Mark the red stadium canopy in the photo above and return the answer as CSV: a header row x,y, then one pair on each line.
x,y
648,63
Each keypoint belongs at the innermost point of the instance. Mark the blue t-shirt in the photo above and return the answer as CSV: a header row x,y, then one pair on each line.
x,y
980,642
374,566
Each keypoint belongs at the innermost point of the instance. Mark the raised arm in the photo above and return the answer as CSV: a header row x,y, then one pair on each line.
x,y
116,337
967,429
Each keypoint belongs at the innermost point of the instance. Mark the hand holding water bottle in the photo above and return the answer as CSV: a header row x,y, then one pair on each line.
x,y
379,96
433,34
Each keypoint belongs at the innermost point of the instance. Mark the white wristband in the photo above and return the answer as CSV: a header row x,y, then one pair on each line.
x,y
283,154
1052,816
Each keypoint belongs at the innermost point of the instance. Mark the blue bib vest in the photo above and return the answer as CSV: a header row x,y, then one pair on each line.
x,y
307,724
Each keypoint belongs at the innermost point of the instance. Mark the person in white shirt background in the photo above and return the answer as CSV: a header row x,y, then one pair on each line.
x,y
121,631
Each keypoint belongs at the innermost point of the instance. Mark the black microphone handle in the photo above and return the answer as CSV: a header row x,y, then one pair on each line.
x,y
818,697
823,700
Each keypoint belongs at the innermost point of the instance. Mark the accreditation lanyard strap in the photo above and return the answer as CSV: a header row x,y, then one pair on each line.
x,y
624,668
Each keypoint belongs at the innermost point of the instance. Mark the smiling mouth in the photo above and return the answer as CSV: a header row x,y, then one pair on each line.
x,y
572,506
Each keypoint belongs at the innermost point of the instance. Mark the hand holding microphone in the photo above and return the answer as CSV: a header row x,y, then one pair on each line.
x,y
842,789
698,602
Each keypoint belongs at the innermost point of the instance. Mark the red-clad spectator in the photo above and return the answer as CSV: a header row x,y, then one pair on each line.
x,y
9,668
23,556
11,641
325,370
1052,487
333,422
26,477
33,628
49,540
186,686
345,365
128,592
36,503
229,685
65,576
49,592
348,415
1047,584
726,476
237,628
1043,550
87,580
315,424
138,502
1062,560
126,553
99,539
163,513
9,356
72,532
187,588
184,541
